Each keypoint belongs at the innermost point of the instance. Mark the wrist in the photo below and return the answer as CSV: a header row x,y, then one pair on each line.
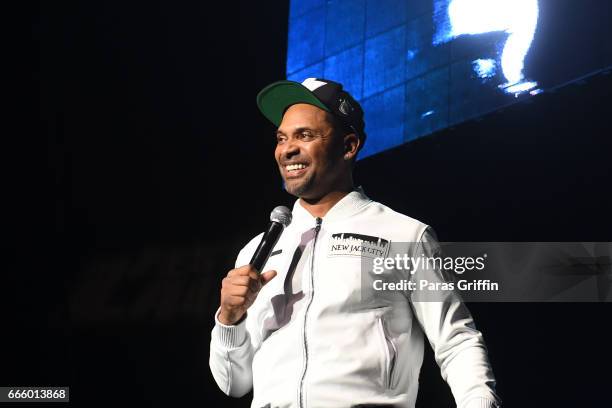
x,y
229,336
229,318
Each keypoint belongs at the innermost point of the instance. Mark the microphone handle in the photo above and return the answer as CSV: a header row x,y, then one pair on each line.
x,y
269,239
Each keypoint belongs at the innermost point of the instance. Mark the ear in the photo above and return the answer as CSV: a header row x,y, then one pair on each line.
x,y
351,146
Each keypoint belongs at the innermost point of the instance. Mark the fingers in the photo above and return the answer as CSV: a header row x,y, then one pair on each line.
x,y
243,290
244,282
247,270
240,300
237,280
239,289
267,277
251,282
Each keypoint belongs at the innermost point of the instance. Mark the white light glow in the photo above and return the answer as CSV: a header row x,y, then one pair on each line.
x,y
484,68
428,113
517,18
519,88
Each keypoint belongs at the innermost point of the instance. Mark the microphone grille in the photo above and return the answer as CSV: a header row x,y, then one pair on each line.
x,y
281,214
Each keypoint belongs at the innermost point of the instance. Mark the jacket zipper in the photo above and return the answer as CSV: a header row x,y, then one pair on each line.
x,y
312,257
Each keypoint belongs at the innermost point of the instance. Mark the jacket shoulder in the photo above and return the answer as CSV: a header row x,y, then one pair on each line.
x,y
403,226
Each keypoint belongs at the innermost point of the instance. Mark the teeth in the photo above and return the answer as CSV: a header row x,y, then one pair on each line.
x,y
298,166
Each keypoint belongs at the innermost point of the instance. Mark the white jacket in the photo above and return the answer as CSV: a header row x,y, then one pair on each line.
x,y
315,338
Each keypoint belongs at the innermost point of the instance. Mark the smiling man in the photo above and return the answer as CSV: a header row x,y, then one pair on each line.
x,y
310,331
315,154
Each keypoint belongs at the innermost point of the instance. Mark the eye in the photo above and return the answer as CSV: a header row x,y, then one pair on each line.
x,y
280,138
306,135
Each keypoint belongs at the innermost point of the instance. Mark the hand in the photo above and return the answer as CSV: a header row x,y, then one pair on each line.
x,y
239,290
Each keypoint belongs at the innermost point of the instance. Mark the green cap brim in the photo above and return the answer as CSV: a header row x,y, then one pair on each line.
x,y
275,98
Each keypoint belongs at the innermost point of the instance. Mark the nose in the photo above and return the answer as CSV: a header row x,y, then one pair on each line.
x,y
290,149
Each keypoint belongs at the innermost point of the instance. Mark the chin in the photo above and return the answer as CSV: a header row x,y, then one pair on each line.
x,y
294,190
297,189
303,187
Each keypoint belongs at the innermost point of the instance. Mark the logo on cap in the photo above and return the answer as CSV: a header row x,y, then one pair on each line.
x,y
345,107
312,83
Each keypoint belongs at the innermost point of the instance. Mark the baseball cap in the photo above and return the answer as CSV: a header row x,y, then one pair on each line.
x,y
328,95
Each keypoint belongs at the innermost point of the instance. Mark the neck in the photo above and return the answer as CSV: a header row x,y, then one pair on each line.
x,y
319,207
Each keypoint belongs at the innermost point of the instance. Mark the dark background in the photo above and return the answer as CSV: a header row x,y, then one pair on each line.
x,y
158,168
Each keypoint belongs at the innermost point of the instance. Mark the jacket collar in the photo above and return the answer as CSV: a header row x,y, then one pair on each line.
x,y
347,206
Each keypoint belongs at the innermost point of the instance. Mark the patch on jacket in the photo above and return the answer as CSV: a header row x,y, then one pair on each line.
x,y
351,244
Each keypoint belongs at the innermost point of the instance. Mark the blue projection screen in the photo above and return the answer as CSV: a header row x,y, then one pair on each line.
x,y
418,66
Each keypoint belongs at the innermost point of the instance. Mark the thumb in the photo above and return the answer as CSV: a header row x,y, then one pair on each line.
x,y
267,277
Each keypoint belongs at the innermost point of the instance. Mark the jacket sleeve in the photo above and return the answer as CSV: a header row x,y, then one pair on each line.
x,y
458,346
232,347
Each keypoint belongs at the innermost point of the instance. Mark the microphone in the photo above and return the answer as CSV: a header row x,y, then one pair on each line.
x,y
280,217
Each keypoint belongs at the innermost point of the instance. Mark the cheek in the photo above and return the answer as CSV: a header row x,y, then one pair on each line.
x,y
330,155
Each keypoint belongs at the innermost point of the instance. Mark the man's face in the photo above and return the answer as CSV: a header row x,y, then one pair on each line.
x,y
309,155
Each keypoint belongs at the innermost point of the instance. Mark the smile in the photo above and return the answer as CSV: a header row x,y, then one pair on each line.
x,y
295,170
293,167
